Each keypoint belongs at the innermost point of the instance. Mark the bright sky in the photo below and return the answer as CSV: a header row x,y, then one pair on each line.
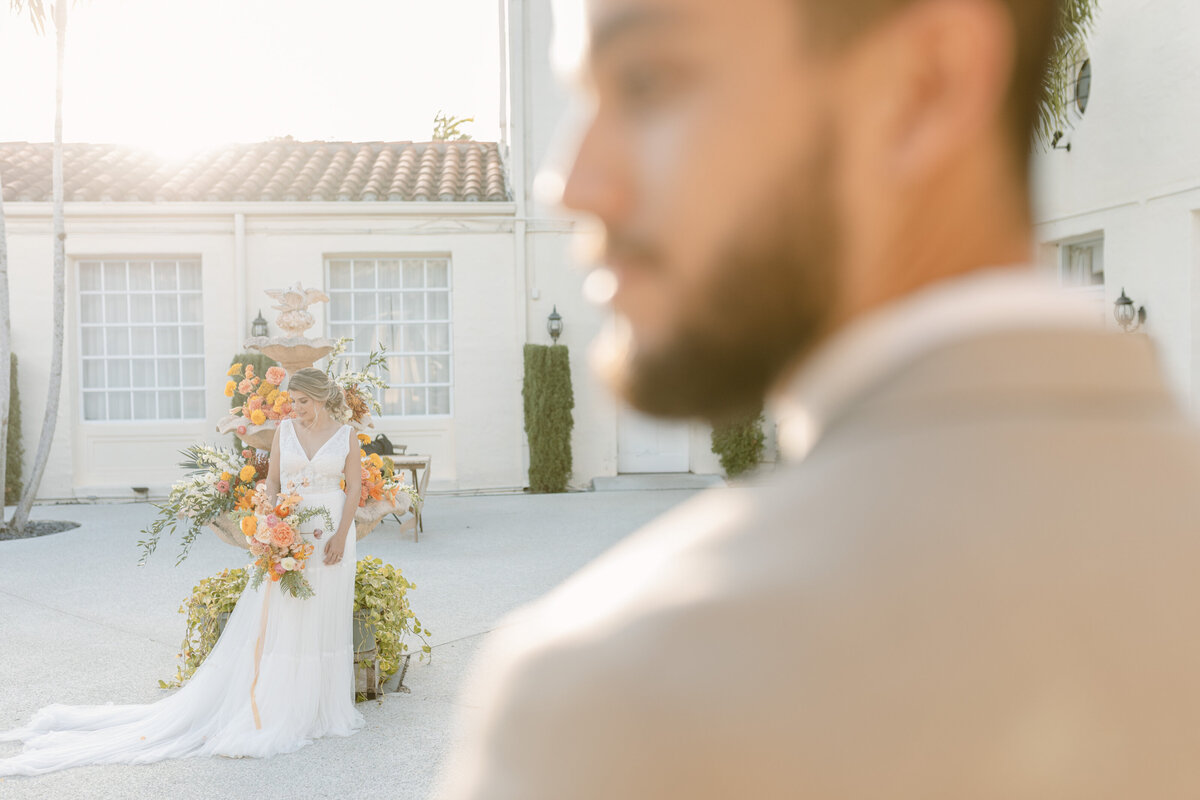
x,y
182,75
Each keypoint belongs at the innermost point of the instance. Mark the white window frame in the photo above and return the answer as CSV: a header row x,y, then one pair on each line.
x,y
362,349
152,327
1065,247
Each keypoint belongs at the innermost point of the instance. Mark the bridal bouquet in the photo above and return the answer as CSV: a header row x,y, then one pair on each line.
x,y
274,540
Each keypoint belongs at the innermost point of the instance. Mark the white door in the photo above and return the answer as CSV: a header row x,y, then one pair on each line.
x,y
649,444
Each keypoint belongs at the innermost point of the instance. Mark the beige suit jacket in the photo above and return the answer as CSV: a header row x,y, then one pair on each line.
x,y
983,582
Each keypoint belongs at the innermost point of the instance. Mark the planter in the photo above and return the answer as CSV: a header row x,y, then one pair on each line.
x,y
368,516
229,531
257,436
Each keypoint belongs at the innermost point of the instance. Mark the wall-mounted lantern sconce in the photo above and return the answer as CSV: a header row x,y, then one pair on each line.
x,y
1129,317
259,326
554,324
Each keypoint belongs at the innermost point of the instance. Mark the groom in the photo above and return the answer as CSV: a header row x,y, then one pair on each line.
x,y
975,573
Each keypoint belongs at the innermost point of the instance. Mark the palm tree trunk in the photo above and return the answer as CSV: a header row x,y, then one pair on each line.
x,y
5,348
54,391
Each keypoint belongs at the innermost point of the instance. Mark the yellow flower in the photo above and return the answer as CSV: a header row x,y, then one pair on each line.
x,y
258,416
362,437
376,460
265,389
235,369
248,472
249,525
225,476
230,387
273,396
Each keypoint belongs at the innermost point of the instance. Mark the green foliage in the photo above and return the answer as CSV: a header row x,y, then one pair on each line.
x,y
380,597
1075,21
548,419
210,598
261,364
446,129
739,443
15,456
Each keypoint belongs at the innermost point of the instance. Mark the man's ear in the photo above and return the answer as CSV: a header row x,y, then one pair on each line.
x,y
935,76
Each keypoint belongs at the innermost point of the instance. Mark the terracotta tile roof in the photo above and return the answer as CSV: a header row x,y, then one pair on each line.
x,y
282,169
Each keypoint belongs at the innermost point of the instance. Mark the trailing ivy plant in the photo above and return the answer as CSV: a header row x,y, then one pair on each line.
x,y
739,443
210,598
549,400
380,597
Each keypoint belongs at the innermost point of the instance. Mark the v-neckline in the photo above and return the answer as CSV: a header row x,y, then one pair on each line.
x,y
307,457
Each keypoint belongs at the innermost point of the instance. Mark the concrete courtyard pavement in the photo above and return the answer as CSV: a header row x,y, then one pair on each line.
x,y
81,623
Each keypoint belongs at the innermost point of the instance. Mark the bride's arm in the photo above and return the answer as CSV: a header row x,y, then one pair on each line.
x,y
273,469
352,472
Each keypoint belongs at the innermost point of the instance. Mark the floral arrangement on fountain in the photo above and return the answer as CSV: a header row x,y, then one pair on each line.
x,y
222,481
265,400
355,383
273,537
379,479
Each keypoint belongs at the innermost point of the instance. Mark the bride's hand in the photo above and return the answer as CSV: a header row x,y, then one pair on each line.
x,y
334,548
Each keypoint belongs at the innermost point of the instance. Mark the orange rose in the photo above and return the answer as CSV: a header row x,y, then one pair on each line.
x,y
282,535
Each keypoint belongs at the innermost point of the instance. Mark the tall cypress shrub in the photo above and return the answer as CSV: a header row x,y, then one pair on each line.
x,y
739,443
549,401
15,457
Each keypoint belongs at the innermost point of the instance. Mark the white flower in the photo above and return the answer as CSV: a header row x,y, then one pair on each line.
x,y
288,563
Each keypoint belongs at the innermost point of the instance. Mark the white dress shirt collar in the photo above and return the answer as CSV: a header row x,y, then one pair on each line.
x,y
855,357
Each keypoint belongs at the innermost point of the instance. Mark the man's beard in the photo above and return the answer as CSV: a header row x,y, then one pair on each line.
x,y
767,305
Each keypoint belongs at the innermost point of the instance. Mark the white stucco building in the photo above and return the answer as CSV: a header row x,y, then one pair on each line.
x,y
436,249
1121,208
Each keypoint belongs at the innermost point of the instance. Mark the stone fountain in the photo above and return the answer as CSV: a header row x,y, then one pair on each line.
x,y
294,351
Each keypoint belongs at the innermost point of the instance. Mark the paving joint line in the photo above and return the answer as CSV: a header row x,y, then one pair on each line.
x,y
102,623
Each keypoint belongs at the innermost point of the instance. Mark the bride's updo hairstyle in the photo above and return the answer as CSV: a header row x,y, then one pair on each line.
x,y
322,389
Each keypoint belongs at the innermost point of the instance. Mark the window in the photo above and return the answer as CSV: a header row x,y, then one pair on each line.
x,y
1083,85
402,304
1083,263
141,340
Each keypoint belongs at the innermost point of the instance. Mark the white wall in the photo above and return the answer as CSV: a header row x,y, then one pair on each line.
x,y
480,446
1133,172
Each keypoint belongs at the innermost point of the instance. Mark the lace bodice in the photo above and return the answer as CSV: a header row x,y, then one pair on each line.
x,y
323,473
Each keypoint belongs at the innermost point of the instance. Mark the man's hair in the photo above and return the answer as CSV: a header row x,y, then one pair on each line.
x,y
1035,25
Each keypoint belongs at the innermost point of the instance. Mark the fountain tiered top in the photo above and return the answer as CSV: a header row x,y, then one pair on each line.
x,y
293,351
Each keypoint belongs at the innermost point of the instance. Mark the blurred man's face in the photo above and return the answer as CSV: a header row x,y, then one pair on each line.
x,y
709,159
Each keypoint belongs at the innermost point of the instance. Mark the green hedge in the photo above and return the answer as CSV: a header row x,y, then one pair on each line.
x,y
548,420
739,443
261,364
15,456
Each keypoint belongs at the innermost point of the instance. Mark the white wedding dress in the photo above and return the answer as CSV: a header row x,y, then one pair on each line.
x,y
305,676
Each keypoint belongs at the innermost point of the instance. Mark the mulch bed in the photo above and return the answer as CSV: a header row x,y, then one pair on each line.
x,y
39,527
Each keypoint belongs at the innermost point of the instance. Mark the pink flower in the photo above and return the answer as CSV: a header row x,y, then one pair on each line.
x,y
223,487
245,453
318,533
242,432
245,387
276,375
256,402
272,520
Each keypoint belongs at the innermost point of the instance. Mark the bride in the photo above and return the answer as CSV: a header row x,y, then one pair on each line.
x,y
282,672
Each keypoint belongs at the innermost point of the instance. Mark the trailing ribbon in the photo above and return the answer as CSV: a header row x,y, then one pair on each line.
x,y
258,648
